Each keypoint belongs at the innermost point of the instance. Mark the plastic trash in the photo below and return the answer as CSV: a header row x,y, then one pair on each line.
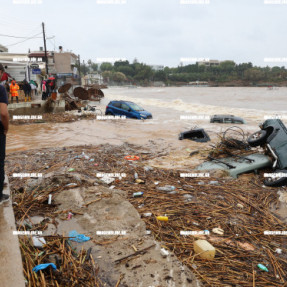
x,y
162,218
136,175
204,249
148,168
278,250
71,184
78,237
50,199
139,180
240,205
138,194
44,266
70,214
148,232
71,169
215,182
38,241
92,159
218,231
188,197
85,156
164,252
167,188
262,267
147,214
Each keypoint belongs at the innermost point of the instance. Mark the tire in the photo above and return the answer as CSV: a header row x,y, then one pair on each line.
x,y
276,182
258,138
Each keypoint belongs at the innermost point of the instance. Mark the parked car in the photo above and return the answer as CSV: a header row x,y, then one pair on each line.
x,y
227,119
273,135
128,109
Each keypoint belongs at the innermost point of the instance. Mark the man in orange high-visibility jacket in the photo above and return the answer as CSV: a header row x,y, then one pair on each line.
x,y
14,91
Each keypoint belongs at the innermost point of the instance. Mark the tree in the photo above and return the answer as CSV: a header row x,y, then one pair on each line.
x,y
159,76
254,74
94,67
119,77
107,75
106,67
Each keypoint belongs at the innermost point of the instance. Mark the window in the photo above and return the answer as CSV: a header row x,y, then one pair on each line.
x,y
117,105
135,107
125,107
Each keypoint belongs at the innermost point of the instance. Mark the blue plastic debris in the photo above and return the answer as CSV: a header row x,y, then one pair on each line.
x,y
44,266
75,236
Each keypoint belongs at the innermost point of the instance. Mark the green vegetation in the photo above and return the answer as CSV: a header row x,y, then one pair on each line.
x,y
226,73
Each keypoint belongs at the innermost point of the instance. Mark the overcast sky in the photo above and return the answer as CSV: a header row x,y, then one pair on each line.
x,y
159,32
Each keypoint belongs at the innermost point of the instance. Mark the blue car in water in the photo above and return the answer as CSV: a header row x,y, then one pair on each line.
x,y
128,109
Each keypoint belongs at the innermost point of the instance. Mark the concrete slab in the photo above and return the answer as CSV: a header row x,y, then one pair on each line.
x,y
10,256
35,107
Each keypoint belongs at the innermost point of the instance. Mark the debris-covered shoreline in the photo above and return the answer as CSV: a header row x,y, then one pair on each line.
x,y
239,207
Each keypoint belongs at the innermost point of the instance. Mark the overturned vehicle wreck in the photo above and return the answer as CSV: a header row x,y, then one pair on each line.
x,y
273,136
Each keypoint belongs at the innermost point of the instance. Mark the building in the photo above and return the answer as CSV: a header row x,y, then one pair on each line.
x,y
65,67
3,49
157,67
209,63
92,79
14,63
32,65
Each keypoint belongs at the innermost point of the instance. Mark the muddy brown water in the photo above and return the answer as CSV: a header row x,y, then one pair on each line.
x,y
167,106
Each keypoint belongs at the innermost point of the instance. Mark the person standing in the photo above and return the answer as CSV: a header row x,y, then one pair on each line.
x,y
14,91
4,125
33,90
44,90
26,89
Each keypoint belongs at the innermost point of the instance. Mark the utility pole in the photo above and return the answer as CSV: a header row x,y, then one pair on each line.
x,y
46,57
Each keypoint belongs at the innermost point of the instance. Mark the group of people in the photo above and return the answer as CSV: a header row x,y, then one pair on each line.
x,y
48,86
29,90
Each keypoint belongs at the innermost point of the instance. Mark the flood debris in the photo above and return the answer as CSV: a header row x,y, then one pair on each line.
x,y
198,135
58,265
239,207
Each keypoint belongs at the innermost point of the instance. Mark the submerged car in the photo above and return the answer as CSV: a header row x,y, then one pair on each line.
x,y
273,135
128,109
227,119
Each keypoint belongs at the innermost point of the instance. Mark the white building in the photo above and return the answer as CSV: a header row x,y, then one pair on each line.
x,y
157,67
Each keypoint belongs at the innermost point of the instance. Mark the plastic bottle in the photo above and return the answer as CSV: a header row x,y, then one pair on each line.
x,y
138,194
167,188
50,199
262,267
162,218
38,241
204,249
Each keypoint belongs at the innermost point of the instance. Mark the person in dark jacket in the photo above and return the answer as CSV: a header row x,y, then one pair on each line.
x,y
26,89
4,125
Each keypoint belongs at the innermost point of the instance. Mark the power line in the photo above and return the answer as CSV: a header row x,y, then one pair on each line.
x,y
2,35
33,37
